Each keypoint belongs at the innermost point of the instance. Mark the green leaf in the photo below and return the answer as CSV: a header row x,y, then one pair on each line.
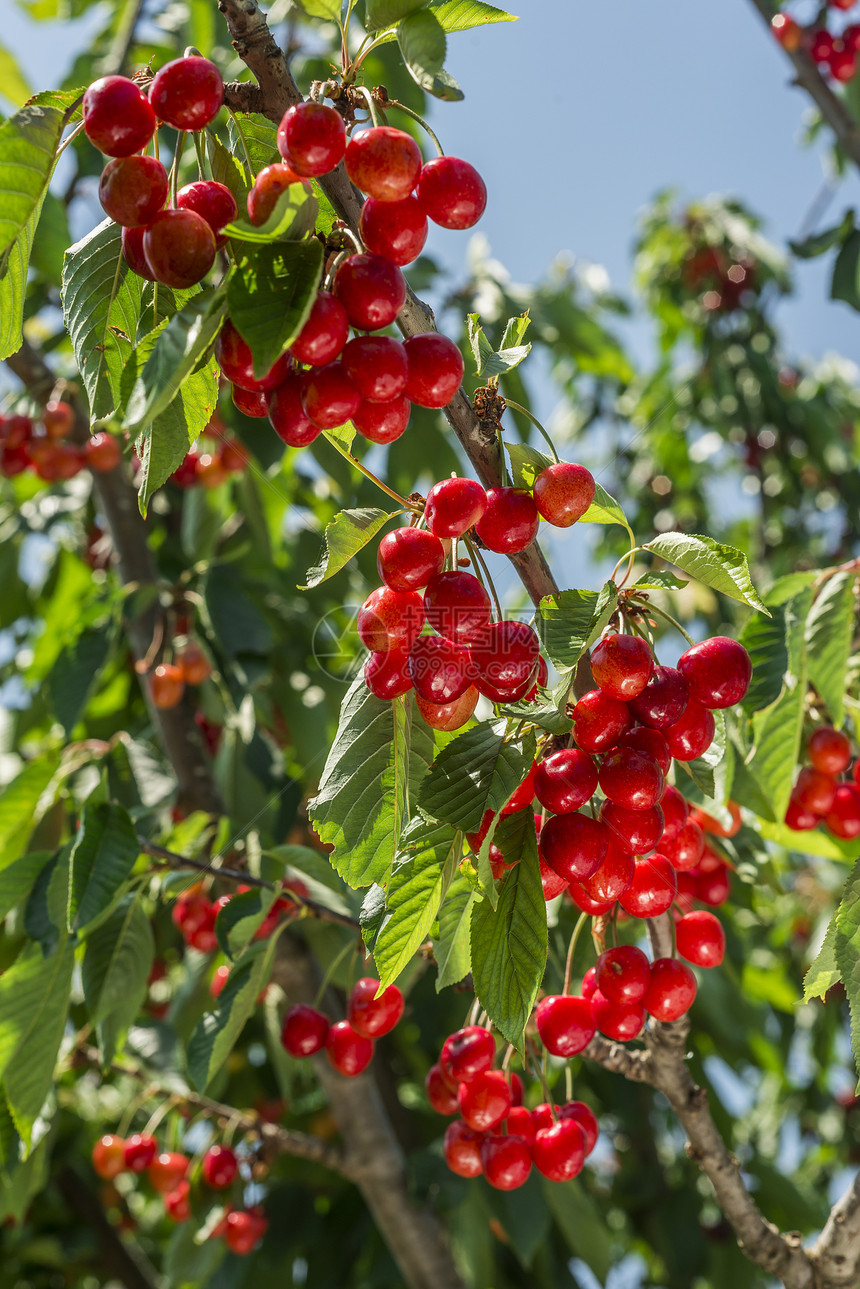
x,y
28,147
164,444
346,534
660,580
227,169
452,949
461,15
423,45
765,641
545,715
372,913
604,510
571,621
704,770
46,911
824,971
385,13
847,952
845,284
814,842
270,296
76,671
13,289
526,463
581,1224
115,972
178,349
482,350
259,136
14,85
216,1035
422,871
19,877
103,855
292,218
777,728
723,567
477,771
378,755
829,631
509,944
329,9
238,920
19,802
490,362
820,243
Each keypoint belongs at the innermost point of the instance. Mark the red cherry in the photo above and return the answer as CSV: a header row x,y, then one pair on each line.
x,y
304,1031
559,1151
441,670
671,991
621,1021
631,779
187,93
454,506
390,619
395,229
407,558
467,1053
220,1166
451,192
485,1100
663,700
312,138
371,289
506,1161
435,370
651,742
132,190
842,64
382,422
622,974
140,1150
574,845
565,780
462,1149
543,1116
371,1016
271,183
565,1024
799,819
510,522
714,887
449,716
582,1114
829,750
256,404
179,247
456,605
103,452
132,251
718,671
563,492
287,414
636,830
440,1094
348,1052
383,162
599,721
13,460
329,396
166,686
212,201
700,938
243,1231
18,430
675,812
612,878
505,657
851,38
843,818
377,367
652,889
553,885
787,32
589,983
686,847
324,334
109,1156
386,674
118,117
519,1123
193,664
167,1170
814,791
523,795
622,665
177,1205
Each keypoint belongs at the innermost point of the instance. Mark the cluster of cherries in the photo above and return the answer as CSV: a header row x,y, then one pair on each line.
x,y
41,447
194,915
208,465
167,681
348,1044
722,279
835,51
469,654
169,1174
819,794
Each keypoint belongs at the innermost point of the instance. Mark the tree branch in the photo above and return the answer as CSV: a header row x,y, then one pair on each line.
x,y
836,1252
121,1259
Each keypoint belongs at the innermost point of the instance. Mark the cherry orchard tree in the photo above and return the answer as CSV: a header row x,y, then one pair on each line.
x,y
300,847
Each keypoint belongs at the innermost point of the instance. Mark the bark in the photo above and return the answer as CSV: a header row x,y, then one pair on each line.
x,y
124,1261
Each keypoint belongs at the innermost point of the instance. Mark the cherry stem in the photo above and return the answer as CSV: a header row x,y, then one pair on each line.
x,y
201,160
393,102
68,139
524,411
158,1114
503,465
509,1051
368,474
652,608
483,573
571,948
331,969
133,1106
377,116
539,1070
174,169
628,556
568,1083
473,1011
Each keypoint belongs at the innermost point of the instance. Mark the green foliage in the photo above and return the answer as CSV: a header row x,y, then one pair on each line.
x,y
715,564
423,46
571,621
829,635
477,771
348,533
216,1035
102,858
115,973
422,872
490,362
20,806
270,297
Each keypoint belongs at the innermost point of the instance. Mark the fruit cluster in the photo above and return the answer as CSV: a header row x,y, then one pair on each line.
x,y
722,278
819,794
167,681
194,915
25,444
209,465
348,1044
836,51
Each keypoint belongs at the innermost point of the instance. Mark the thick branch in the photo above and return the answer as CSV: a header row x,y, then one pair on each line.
x,y
836,1252
125,1262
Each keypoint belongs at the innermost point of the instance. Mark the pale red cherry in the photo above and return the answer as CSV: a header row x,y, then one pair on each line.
x,y
559,1151
213,201
269,186
390,620
103,452
563,493
467,1053
449,716
407,558
312,138
565,1024
370,1015
462,1149
132,190
108,1156
622,665
671,991
485,1100
187,93
451,192
383,162
454,506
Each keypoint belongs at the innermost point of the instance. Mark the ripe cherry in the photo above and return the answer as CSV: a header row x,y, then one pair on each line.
x,y
457,606
269,186
506,1161
582,1114
636,830
631,779
395,229
622,974
713,887
454,506
621,1021
652,889
167,1170
520,1123
485,1100
371,1016
132,190
287,415
348,1052
140,1150
212,201
166,686
390,619
505,657
829,750
563,492
103,452
675,811
622,665
407,558
441,1095
685,848
324,334
693,734
814,791
467,1053
612,878
574,845
510,522
377,367
565,780
449,716
700,938
671,991
329,396
435,369
462,1149
382,422
187,93
179,247
565,1024
235,359
109,1156
304,1030
718,671
599,721
451,192
243,1231
441,670
843,818
220,1167
559,1151
787,31
118,117
651,742
387,675
132,252
193,664
523,795
371,289
842,63
383,162
177,1205
663,700
312,138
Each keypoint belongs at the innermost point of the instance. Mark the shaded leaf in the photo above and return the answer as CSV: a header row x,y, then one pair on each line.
x,y
19,802
115,972
385,13
423,869
216,1035
270,296
829,632
819,243
845,283
103,855
452,949
238,921
777,728
18,878
423,45
76,671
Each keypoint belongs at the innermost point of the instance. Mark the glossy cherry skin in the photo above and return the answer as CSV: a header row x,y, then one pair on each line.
x,y
435,369
132,190
612,878
700,938
663,700
234,358
304,1030
582,1114
449,716
179,247
407,558
718,672
523,795
563,492
675,811
371,289
193,663
395,229
441,1095
467,1053
387,674
485,1100
814,791
382,422
505,657
565,1024
324,334
187,93
685,848
462,1149
829,750
377,367
109,1156
269,186
843,818
454,506
457,606
519,1123
103,452
599,721
574,845
242,1232
287,415
631,779
622,665
383,162
441,670
800,819
623,974
312,138
212,201
652,889
843,65
510,522
651,742
693,734
787,31
451,192
713,887
621,1021
390,620
118,117
348,1052
140,1150
372,1016
506,1161
671,991
565,780
329,396
638,831
132,253
176,1203
220,1167
559,1151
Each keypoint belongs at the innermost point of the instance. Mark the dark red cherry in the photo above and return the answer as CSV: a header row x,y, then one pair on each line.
x,y
371,289
457,606
485,1100
651,742
519,1123
220,1167
312,138
693,734
700,938
637,830
462,1149
652,890
383,162
574,845
395,229
408,558
467,1053
559,1151
435,369
329,396
510,522
814,791
799,819
623,974
565,780
212,201
612,878
132,190
324,334
377,367
565,1024
843,818
348,1052
289,419
663,700
118,117
718,671
390,620
671,991
304,1030
584,1116
563,493
440,669
387,675
505,657
132,250
454,506
140,1150
440,1093
451,192
187,93
382,422
599,721
622,665
370,1015
179,247
234,358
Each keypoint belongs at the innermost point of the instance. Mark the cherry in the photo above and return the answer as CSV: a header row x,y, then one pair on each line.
x,y
574,845
622,974
13,460
312,138
219,980
700,938
599,721
540,682
652,890
520,1123
851,38
140,1150
451,192
663,700
371,1016
187,93
543,1116
386,674
287,415
671,991
622,665
631,779
842,63
449,716
686,847
167,1170
693,734
212,201
382,422
395,229
559,1151
118,117
485,1100
390,619
510,522
523,795
377,367
408,558
177,1205
435,369
589,983
243,1231
829,750
454,506
675,812
329,396
843,818
16,431
166,686
441,670
324,334
193,664
718,671
132,190
348,1052
565,780
552,884
787,31
814,791
457,606
612,878
271,183
109,1156
371,289
383,162
505,657
441,1095
565,1024
637,830
304,1031
621,1021
506,1161
462,1149
103,452
563,492
132,251
467,1053
179,247
220,1166
234,456
713,888
582,1114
